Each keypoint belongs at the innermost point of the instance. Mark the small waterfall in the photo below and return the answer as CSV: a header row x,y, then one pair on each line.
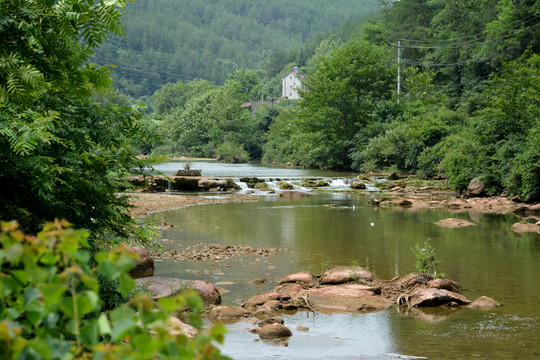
x,y
338,183
243,185
169,184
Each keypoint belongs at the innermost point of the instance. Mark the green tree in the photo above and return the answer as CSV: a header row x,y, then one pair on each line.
x,y
344,92
61,154
500,144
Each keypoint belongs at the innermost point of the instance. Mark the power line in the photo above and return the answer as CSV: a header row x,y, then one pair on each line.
x,y
510,27
470,43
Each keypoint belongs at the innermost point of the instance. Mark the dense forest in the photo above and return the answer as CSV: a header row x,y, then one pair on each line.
x,y
170,40
468,103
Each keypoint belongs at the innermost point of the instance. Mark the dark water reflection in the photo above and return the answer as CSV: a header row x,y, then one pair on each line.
x,y
488,259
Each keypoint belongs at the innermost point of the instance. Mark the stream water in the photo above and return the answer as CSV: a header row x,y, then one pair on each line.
x,y
340,228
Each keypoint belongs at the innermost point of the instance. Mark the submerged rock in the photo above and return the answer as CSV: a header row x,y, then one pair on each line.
x,y
484,303
525,227
227,313
293,194
454,223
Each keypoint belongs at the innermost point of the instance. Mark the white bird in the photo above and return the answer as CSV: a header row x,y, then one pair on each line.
x,y
372,224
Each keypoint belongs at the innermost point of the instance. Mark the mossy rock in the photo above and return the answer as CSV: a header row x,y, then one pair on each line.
x,y
313,183
283,185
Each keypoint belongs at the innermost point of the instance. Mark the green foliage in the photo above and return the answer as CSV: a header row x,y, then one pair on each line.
x,y
51,303
231,152
500,145
426,258
344,91
62,154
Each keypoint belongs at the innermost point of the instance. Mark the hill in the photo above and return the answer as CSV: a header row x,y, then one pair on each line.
x,y
170,40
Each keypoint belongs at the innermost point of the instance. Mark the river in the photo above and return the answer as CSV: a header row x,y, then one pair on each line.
x,y
340,228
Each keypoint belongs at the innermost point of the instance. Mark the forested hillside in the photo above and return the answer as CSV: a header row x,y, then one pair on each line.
x,y
170,40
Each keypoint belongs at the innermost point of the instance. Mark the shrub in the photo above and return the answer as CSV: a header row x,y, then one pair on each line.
x,y
51,306
425,258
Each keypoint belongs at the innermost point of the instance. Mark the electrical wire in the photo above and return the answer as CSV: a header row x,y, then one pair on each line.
x,y
526,19
466,44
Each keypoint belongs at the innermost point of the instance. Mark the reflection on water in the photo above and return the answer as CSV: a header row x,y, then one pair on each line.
x,y
488,259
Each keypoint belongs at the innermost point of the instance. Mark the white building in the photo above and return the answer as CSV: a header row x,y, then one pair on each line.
x,y
291,83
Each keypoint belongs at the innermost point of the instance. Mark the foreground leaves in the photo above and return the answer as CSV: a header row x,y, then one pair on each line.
x,y
50,304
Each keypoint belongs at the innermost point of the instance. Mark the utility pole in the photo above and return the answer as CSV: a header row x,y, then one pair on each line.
x,y
398,69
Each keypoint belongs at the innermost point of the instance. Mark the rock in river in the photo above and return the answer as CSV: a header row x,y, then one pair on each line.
x,y
167,286
436,297
344,274
454,223
272,331
484,303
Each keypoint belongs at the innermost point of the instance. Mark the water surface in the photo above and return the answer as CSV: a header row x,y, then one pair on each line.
x,y
330,229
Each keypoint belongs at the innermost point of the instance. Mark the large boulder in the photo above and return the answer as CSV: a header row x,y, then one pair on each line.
x,y
304,277
431,297
454,223
145,264
345,274
207,184
161,287
476,188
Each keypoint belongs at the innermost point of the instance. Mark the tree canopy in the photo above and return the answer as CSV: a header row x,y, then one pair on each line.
x,y
61,154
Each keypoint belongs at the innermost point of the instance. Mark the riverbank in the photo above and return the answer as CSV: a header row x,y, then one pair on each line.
x,y
147,203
